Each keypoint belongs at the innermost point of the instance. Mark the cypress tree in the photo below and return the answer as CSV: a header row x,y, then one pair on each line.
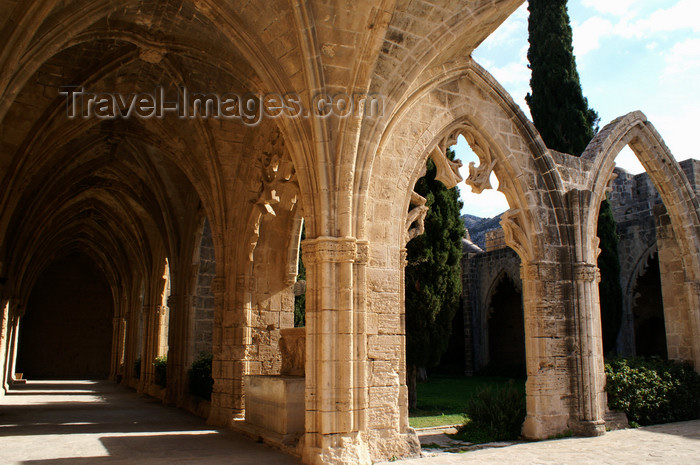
x,y
609,287
567,124
433,276
559,109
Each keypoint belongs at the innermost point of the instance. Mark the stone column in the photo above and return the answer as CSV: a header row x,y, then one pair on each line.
x,y
693,290
131,352
547,350
12,349
118,328
231,343
173,339
590,372
150,346
334,395
4,342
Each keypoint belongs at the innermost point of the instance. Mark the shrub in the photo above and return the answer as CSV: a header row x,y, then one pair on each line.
x,y
494,414
137,368
201,382
161,371
652,390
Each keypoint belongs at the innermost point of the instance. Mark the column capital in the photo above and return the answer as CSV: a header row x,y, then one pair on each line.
x,y
540,271
327,249
586,272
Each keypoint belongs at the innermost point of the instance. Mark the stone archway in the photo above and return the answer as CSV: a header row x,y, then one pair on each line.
x,y
679,230
476,106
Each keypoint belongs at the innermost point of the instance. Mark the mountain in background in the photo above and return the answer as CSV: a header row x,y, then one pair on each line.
x,y
479,226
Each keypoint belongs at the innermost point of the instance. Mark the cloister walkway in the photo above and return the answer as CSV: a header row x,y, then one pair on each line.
x,y
669,444
99,422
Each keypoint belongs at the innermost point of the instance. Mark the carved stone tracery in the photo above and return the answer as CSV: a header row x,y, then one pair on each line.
x,y
276,187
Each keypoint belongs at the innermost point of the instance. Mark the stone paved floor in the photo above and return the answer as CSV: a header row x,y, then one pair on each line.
x,y
95,423
61,423
674,443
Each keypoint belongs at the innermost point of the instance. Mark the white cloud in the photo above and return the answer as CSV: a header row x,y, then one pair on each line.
x,y
613,7
514,73
683,14
587,36
682,63
512,29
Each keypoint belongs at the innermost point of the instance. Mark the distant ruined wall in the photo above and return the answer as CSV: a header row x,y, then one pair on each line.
x,y
634,200
480,273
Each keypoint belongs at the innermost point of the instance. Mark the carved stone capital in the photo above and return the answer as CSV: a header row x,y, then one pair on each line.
x,y
329,249
362,255
540,271
586,272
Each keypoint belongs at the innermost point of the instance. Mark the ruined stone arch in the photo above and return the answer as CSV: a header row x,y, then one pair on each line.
x,y
462,97
499,276
635,131
465,99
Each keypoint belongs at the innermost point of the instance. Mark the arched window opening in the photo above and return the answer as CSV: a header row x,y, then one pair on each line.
x,y
66,332
506,330
648,312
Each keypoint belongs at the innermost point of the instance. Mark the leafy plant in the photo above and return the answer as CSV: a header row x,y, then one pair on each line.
x,y
161,370
652,391
201,381
494,414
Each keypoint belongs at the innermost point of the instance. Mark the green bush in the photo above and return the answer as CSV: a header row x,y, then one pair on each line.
x,y
494,414
137,368
161,371
652,391
201,382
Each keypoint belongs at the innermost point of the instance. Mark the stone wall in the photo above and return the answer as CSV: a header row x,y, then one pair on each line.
x,y
481,273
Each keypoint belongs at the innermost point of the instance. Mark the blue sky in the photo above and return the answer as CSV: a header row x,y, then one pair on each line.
x,y
631,55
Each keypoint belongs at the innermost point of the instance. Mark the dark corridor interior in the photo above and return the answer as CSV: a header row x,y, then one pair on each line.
x,y
66,331
506,328
648,311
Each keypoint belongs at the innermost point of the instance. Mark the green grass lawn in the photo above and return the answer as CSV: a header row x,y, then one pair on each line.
x,y
441,400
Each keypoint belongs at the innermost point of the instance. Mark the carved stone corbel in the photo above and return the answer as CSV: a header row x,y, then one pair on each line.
x,y
479,177
416,215
447,170
515,233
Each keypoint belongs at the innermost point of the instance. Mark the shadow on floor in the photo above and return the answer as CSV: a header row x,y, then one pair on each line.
x,y
61,422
